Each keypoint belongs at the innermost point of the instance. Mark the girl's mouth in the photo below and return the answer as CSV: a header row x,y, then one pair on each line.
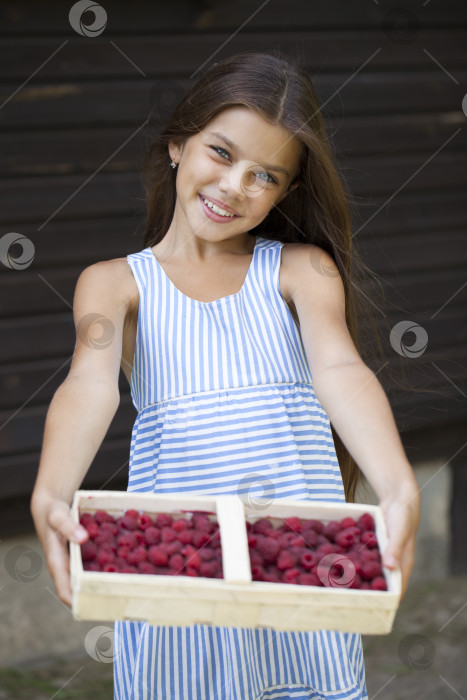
x,y
220,218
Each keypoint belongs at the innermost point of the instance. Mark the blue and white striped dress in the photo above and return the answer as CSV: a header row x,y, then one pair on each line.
x,y
226,404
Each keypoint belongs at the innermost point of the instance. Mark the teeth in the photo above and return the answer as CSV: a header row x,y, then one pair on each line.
x,y
217,209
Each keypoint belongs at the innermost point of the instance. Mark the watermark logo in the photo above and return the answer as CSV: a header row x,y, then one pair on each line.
x,y
26,257
336,571
416,651
321,263
247,490
417,348
23,564
99,644
96,331
75,17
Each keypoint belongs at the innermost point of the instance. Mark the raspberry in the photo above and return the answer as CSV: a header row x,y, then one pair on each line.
x,y
200,537
315,525
347,537
368,538
136,538
261,526
285,560
92,528
252,540
356,582
164,520
193,559
290,575
145,567
293,523
85,518
129,570
366,522
201,522
110,568
379,584
88,551
308,560
137,555
255,557
152,535
104,537
120,562
167,534
370,570
180,525
129,522
365,586
107,526
297,541
268,549
101,517
329,548
331,529
369,555
207,553
124,541
171,547
104,557
285,539
308,580
91,566
190,571
157,557
257,572
347,522
144,521
176,562
310,536
185,536
209,569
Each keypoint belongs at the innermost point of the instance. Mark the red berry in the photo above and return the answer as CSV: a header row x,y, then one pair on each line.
x,y
308,560
104,557
369,555
308,579
356,582
207,553
379,584
347,537
291,575
144,521
164,520
185,536
200,538
110,568
92,528
201,522
261,526
370,570
171,547
347,522
329,548
368,538
156,556
180,525
257,572
91,566
315,525
103,538
152,535
252,540
366,522
331,529
190,571
209,569
268,549
285,560
137,555
145,567
88,551
294,524
129,522
124,541
129,570
255,558
310,536
109,527
86,518
176,563
167,534
102,517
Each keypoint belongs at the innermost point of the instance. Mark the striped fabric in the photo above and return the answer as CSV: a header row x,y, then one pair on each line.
x,y
226,404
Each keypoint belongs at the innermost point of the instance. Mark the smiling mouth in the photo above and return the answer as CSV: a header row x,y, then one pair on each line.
x,y
217,209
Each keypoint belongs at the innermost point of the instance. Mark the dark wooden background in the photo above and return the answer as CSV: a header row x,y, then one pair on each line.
x,y
391,77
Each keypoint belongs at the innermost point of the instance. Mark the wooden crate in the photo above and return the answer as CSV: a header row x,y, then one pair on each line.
x,y
235,600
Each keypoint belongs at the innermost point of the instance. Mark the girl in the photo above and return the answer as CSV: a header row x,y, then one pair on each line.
x,y
236,328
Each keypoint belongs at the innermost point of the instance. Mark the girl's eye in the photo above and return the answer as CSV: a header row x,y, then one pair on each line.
x,y
271,179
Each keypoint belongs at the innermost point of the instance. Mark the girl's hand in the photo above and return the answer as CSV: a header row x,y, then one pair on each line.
x,y
402,515
55,527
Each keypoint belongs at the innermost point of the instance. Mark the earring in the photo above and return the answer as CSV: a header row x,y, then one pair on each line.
x,y
174,165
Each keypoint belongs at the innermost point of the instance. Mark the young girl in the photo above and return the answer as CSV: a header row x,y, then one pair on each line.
x,y
236,328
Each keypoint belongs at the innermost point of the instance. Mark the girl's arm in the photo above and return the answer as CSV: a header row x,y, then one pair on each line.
x,y
354,399
79,414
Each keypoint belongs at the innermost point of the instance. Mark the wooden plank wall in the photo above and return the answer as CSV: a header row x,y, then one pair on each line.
x,y
391,77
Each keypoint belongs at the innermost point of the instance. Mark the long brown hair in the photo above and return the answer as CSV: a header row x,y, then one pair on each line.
x,y
277,88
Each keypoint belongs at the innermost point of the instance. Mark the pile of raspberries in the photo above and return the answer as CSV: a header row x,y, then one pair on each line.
x,y
338,554
136,543
341,554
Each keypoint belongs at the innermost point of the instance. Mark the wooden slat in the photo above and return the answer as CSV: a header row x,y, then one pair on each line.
x,y
74,151
322,51
20,17
129,102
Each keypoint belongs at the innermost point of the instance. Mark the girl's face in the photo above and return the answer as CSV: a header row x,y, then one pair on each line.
x,y
239,162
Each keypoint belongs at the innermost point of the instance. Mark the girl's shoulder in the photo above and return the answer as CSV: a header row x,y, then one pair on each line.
x,y
307,260
111,280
